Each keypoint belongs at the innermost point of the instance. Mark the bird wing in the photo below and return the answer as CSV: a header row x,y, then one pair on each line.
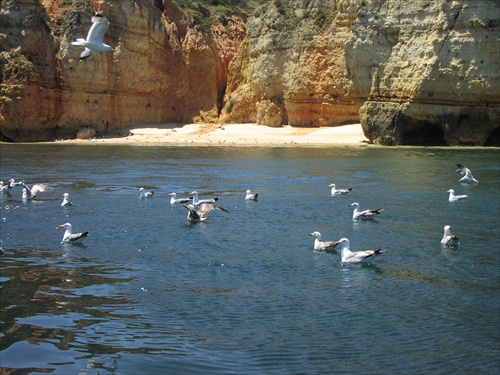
x,y
192,211
461,168
361,255
99,26
40,188
28,190
77,237
87,52
205,208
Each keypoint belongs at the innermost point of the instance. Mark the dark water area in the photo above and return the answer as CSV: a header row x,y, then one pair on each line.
x,y
244,293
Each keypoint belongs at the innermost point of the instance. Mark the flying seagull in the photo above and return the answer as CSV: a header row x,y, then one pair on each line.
x,y
349,256
448,238
462,169
145,194
366,214
66,201
251,196
454,198
71,238
334,191
197,201
201,215
175,200
94,42
30,193
322,245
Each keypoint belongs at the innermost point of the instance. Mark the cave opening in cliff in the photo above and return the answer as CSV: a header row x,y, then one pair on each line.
x,y
493,139
425,135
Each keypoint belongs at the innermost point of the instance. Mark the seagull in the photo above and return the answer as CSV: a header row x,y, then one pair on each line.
x,y
71,238
322,245
349,256
175,200
334,191
462,169
454,198
366,214
201,215
4,188
197,201
250,196
66,201
94,42
448,238
30,193
143,194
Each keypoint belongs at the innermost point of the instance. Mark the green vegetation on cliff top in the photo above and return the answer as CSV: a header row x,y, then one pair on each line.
x,y
197,9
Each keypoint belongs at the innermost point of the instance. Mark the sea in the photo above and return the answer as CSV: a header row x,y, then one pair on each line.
x,y
244,292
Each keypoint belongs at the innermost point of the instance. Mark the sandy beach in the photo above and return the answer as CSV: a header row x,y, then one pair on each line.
x,y
233,135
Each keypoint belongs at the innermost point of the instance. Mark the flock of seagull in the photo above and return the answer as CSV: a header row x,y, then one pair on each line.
x,y
198,210
348,256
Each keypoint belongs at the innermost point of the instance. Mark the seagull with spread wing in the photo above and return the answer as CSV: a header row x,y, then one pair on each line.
x,y
94,42
201,215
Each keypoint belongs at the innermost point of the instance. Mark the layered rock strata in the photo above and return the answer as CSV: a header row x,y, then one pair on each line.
x,y
412,72
427,72
292,67
161,69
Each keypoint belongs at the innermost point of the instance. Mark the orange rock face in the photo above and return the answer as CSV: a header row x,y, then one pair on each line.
x,y
161,70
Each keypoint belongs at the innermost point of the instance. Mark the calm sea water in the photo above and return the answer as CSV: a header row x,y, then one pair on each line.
x,y
244,293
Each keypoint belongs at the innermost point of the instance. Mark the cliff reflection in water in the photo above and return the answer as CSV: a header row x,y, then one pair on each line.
x,y
49,297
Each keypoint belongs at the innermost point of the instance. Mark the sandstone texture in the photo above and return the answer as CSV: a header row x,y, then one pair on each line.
x,y
420,72
292,67
161,69
427,72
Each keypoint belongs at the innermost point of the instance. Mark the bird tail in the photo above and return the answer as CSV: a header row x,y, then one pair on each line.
x,y
79,42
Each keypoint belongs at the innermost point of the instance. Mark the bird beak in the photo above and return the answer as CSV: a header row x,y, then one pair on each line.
x,y
60,226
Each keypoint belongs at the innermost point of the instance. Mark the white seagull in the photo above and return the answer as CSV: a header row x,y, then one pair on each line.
x,y
29,193
334,191
71,238
366,214
94,42
251,196
462,169
201,215
454,198
448,238
145,194
322,245
197,201
175,200
349,256
4,188
66,201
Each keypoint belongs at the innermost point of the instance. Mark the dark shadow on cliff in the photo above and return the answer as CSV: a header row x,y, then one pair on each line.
x,y
426,135
493,139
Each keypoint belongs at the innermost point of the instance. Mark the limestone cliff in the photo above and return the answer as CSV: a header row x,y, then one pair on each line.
x,y
412,72
427,72
292,67
161,70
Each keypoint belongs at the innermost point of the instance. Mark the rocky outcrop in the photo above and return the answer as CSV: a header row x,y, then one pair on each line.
x,y
292,67
161,70
426,72
412,72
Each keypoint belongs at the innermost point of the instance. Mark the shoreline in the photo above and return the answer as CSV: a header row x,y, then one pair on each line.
x,y
236,135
